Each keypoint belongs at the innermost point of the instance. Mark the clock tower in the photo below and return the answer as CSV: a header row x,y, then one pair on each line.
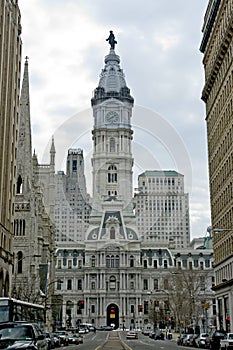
x,y
112,134
112,160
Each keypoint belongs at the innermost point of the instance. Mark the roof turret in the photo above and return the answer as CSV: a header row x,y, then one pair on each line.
x,y
112,82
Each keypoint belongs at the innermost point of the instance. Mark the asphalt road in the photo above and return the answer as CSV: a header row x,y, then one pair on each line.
x,y
93,341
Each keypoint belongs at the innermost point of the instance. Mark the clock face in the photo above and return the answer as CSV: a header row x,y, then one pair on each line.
x,y
112,117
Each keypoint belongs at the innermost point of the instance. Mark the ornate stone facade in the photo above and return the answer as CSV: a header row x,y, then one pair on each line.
x,y
114,277
217,47
34,245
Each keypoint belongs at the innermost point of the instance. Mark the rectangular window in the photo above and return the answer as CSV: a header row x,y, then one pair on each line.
x,y
59,264
145,284
145,307
69,284
79,284
74,165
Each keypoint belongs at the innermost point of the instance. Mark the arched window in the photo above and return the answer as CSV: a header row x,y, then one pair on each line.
x,y
131,261
112,173
117,261
112,145
19,185
156,284
112,282
19,262
112,261
112,233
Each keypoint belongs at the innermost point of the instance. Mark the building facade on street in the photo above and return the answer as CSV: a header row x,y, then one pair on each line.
x,y
217,47
10,62
136,285
162,208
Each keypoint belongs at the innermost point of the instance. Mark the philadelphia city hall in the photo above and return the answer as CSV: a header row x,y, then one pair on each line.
x,y
110,268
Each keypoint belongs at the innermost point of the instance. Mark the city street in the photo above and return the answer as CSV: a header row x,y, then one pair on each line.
x,y
93,341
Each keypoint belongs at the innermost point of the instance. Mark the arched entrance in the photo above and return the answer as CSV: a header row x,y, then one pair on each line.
x,y
113,315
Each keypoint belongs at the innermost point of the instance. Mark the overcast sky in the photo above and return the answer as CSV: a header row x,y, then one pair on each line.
x,y
158,44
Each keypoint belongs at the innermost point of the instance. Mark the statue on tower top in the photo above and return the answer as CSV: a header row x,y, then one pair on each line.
x,y
111,40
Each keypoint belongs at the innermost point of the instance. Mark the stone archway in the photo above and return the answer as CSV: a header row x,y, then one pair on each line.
x,y
113,315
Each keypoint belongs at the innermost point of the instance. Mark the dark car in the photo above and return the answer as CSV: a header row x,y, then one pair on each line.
x,y
152,335
57,340
14,336
50,340
159,335
180,339
213,340
64,337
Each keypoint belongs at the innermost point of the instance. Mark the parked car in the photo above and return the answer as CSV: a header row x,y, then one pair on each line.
x,y
187,340
50,340
57,340
73,339
132,335
152,335
159,335
180,339
213,340
64,337
227,341
80,338
201,340
193,340
14,336
146,331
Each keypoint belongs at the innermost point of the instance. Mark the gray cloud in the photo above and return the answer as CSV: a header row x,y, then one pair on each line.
x,y
158,43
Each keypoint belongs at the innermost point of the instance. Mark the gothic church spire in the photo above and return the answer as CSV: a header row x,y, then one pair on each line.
x,y
24,153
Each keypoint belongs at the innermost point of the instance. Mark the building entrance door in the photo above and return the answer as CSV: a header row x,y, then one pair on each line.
x,y
113,316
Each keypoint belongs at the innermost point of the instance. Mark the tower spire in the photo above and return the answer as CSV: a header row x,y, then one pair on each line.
x,y
24,155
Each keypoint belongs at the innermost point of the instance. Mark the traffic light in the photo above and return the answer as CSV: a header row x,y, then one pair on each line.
x,y
139,308
81,304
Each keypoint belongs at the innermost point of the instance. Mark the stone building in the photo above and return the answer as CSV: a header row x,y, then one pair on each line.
x,y
72,202
217,47
162,208
114,277
34,244
10,62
